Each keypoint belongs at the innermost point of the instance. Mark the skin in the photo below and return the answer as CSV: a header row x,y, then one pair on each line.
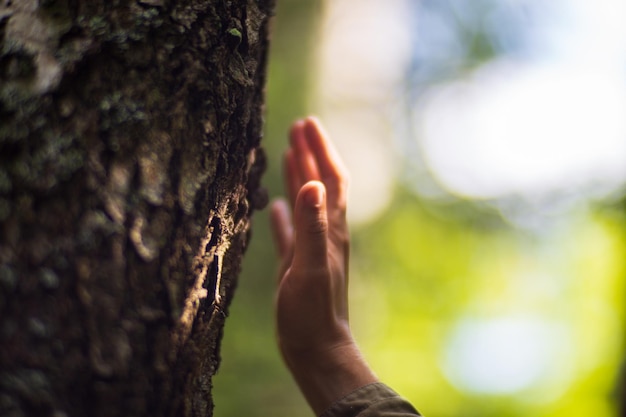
x,y
313,244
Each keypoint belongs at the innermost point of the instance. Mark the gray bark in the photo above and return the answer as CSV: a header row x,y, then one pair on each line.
x,y
129,169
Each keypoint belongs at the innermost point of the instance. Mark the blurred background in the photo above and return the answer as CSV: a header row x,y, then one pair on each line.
x,y
486,141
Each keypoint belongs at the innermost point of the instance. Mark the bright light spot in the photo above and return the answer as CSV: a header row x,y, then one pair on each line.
x,y
526,129
504,355
364,48
546,121
368,159
587,31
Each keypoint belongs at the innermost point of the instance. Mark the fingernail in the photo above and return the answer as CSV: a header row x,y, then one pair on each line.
x,y
315,196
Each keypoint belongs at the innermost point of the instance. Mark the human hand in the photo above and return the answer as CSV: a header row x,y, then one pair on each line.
x,y
312,297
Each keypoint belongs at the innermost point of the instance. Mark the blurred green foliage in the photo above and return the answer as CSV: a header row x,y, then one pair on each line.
x,y
418,273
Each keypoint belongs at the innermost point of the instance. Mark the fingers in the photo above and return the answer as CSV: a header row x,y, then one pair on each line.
x,y
300,165
311,227
306,163
312,156
282,230
331,168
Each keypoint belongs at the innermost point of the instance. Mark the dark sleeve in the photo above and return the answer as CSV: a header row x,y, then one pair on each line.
x,y
373,400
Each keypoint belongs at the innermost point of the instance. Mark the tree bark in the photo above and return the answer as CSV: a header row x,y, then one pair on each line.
x,y
129,169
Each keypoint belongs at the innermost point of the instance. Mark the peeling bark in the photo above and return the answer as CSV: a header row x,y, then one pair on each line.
x,y
129,168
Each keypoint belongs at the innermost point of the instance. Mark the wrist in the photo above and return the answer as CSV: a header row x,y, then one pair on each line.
x,y
325,376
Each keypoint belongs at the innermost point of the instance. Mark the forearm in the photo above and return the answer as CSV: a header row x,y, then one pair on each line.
x,y
329,376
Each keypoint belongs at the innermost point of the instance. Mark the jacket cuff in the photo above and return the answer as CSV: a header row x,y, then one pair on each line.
x,y
374,399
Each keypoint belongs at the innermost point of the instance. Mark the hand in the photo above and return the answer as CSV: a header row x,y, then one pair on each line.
x,y
312,301
312,298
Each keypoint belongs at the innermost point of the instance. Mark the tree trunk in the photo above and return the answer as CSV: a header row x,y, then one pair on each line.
x,y
129,169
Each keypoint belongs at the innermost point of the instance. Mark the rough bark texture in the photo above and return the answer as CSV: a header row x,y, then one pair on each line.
x,y
129,168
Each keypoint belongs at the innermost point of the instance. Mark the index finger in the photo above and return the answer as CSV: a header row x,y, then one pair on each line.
x,y
327,157
331,168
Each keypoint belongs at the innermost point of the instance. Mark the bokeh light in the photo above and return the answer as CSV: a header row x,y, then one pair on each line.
x,y
506,355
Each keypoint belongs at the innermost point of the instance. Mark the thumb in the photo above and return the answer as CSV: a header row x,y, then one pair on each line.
x,y
311,226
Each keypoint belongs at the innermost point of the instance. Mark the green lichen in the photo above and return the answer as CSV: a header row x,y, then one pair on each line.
x,y
98,25
48,279
55,146
53,161
117,109
149,17
15,98
144,21
38,328
59,157
71,161
32,385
